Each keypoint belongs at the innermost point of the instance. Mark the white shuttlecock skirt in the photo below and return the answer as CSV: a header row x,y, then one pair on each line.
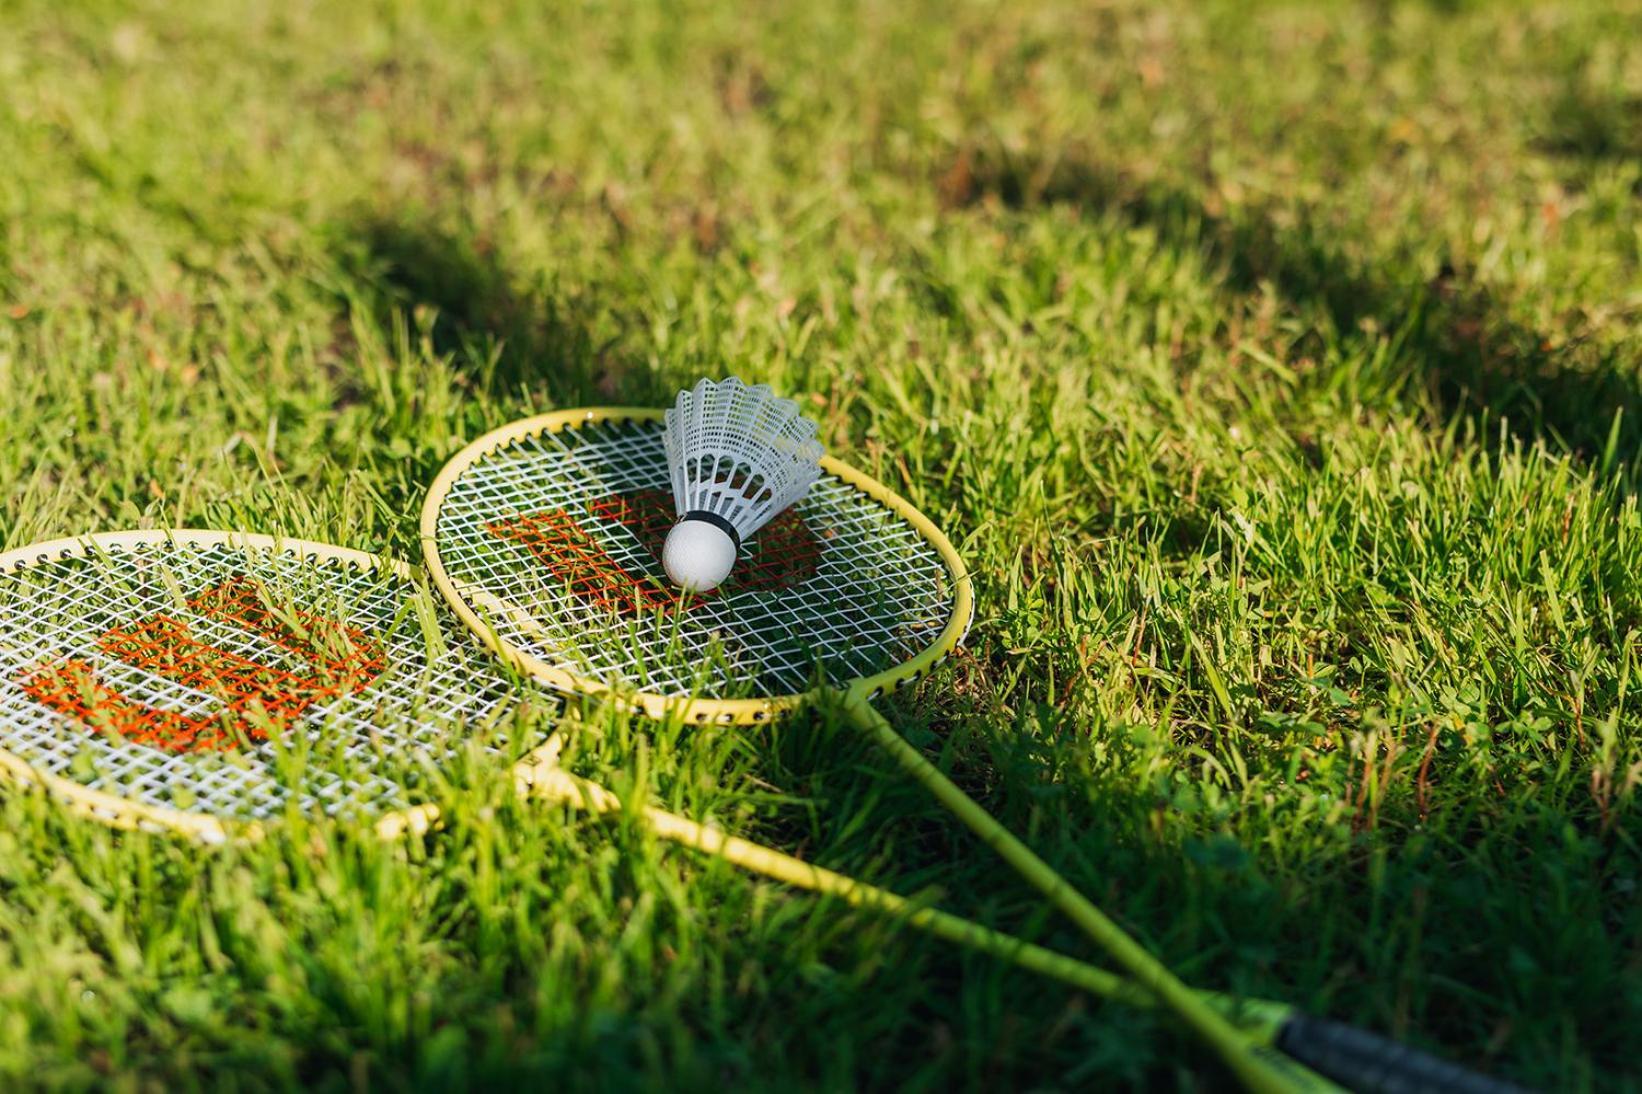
x,y
738,455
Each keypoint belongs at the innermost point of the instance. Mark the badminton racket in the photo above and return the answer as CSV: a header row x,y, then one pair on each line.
x,y
544,537
210,682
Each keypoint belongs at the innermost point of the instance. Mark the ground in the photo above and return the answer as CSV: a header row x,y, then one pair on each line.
x,y
1274,369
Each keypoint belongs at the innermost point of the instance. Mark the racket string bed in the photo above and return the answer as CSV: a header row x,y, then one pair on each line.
x,y
166,646
181,676
785,554
566,527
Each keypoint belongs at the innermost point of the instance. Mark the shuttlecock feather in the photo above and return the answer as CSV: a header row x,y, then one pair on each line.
x,y
739,455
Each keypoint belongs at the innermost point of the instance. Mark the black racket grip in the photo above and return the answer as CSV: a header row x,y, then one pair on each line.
x,y
1371,1064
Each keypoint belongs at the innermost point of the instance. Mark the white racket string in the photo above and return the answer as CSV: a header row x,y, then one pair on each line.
x,y
186,676
555,538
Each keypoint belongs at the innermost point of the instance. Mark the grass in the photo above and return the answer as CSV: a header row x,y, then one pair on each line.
x,y
1276,371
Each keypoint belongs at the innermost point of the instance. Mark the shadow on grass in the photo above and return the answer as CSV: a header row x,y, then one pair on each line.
x,y
1221,914
473,340
1583,123
1458,354
508,335
1458,341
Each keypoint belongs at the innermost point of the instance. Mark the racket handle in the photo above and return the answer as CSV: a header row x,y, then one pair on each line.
x,y
1371,1064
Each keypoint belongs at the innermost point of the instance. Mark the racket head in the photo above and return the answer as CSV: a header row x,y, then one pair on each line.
x,y
205,682
544,537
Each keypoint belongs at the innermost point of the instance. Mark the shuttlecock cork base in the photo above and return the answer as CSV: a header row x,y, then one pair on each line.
x,y
700,551
739,455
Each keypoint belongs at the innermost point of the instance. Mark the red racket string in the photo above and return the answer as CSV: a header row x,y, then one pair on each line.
x,y
257,698
785,553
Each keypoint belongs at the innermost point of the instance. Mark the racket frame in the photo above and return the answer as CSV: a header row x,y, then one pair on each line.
x,y
696,709
1260,1025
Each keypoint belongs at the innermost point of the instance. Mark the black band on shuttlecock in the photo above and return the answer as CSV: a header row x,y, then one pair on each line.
x,y
717,522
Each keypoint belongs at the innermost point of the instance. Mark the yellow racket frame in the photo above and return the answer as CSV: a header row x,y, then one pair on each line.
x,y
691,708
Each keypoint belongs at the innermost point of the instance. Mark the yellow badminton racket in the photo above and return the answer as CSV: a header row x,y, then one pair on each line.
x,y
210,682
544,535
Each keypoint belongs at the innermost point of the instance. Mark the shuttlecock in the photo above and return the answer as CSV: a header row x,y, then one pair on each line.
x,y
739,455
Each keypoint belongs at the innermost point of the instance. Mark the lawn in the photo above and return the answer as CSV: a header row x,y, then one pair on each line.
x,y
1274,370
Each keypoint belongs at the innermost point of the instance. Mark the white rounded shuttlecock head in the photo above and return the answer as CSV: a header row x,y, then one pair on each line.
x,y
698,556
739,455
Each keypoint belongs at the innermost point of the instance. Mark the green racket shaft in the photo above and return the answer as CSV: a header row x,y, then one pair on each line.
x,y
1244,1034
1311,1054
